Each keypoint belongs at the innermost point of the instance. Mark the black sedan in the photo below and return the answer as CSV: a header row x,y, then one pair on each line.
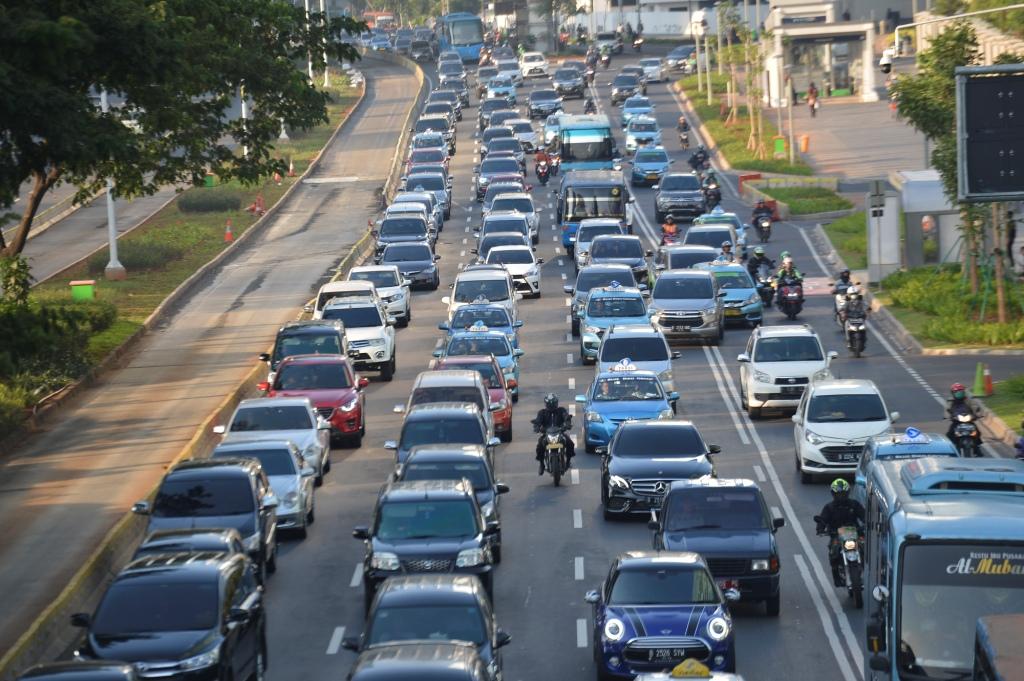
x,y
543,103
569,83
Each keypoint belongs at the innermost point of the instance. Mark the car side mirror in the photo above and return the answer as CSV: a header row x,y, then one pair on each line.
x,y
592,597
731,595
350,643
720,294
390,444
239,615
263,386
715,449
361,532
140,508
436,258
443,326
832,354
307,308
894,416
374,233
653,524
778,522
501,488
673,396
322,425
502,639
648,253
743,357
391,321
655,187
437,353
795,418
446,300
582,399
878,663
817,519
540,261
517,324
676,354
362,382
518,352
308,471
492,527
493,442
220,430
81,619
264,357
569,289
269,501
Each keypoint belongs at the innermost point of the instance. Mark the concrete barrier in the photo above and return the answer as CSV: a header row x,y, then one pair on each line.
x,y
50,635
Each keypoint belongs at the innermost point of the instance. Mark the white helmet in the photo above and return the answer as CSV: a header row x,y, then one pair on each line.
x,y
787,261
853,292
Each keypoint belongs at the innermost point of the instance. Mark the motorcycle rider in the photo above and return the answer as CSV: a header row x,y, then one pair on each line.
x,y
541,156
682,125
669,229
758,259
589,107
698,158
788,270
842,283
958,404
552,416
855,306
760,208
842,511
726,254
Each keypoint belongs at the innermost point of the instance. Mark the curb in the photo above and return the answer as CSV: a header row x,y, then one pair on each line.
x,y
389,189
829,215
971,352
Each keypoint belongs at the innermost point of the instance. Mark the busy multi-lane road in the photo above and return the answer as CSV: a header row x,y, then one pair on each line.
x,y
556,545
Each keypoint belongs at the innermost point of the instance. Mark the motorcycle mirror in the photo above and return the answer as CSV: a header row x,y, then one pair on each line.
x,y
880,593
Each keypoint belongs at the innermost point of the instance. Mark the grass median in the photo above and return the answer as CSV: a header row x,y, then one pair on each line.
x,y
731,140
849,236
1008,402
809,200
159,255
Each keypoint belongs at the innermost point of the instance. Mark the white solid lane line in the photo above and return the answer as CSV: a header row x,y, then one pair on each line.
x,y
826,622
335,645
577,518
581,633
568,358
357,576
577,568
725,398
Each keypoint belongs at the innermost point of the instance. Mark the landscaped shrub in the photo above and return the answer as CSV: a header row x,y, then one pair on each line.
x,y
210,200
38,335
147,253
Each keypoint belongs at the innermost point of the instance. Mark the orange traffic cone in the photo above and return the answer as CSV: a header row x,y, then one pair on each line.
x,y
989,390
291,167
228,234
277,178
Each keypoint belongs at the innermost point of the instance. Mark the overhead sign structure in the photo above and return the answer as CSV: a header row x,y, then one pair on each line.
x,y
990,133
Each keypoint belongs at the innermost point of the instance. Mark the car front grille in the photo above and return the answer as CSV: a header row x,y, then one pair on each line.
x,y
325,412
842,453
643,650
358,343
427,565
650,487
728,567
795,380
680,317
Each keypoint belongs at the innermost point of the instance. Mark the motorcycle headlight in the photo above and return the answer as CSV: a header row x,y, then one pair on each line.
x,y
759,565
618,482
718,628
813,437
762,377
471,558
849,545
207,659
964,418
614,630
822,374
552,439
593,417
350,405
384,561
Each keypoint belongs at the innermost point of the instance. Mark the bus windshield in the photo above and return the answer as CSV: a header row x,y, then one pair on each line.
x,y
593,202
587,145
466,32
944,589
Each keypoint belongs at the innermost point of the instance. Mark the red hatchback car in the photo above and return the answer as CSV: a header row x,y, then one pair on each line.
x,y
488,368
331,385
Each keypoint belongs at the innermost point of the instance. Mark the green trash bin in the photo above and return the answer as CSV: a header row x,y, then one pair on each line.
x,y
83,289
210,180
779,146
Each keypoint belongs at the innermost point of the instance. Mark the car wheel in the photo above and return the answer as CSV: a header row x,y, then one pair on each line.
x,y
575,324
311,516
754,413
806,478
319,479
356,439
387,372
515,398
436,283
272,560
496,553
327,462
773,604
302,531
367,600
507,435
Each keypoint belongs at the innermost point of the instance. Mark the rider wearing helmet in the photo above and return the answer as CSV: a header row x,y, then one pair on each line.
x,y
698,158
788,270
669,227
855,303
589,106
726,254
842,511
760,208
552,416
758,259
842,283
958,404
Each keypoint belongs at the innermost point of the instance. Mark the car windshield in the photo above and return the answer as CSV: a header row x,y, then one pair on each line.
x,y
629,388
430,183
650,157
616,248
625,81
713,508
427,623
274,461
448,431
637,102
474,471
492,105
586,234
567,74
307,344
496,190
494,290
425,124
707,237
792,349
494,133
253,419
543,95
636,349
451,68
676,183
504,144
846,409
616,306
191,498
499,117
130,608
485,73
683,288
496,166
479,345
590,279
509,224
680,585
512,256
658,441
643,126
379,278
403,227
520,204
686,259
301,376
487,371
355,317
426,520
520,128
500,82
407,253
507,66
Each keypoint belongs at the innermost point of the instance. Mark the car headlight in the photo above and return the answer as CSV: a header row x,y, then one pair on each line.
x,y
666,376
614,630
849,545
471,558
822,374
662,201
665,414
762,377
759,565
349,406
532,272
384,561
377,342
290,499
207,659
813,437
718,628
488,510
618,482
593,417
708,311
754,298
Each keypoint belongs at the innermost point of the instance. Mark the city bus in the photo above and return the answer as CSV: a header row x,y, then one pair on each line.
x,y
462,32
944,547
586,143
586,194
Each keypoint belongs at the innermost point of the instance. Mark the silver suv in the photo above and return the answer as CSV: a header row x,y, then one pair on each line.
x,y
688,304
644,346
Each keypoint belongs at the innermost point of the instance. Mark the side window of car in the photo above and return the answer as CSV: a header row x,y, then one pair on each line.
x,y
750,346
233,594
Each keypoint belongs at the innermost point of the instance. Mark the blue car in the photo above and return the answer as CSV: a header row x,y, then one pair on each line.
x,y
655,610
622,394
501,87
481,340
649,166
742,301
495,317
910,444
636,105
607,305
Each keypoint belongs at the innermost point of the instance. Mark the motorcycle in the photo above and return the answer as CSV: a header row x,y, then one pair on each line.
x,y
712,195
765,282
543,172
764,228
669,238
790,298
638,44
555,460
684,139
606,61
855,328
965,434
556,165
590,75
699,163
848,543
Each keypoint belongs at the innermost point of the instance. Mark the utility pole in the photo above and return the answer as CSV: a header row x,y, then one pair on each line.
x,y
114,271
327,66
789,115
707,71
245,117
309,55
696,42
718,34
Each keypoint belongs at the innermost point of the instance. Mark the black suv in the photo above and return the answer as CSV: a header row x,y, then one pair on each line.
x,y
487,107
678,195
307,337
219,493
81,670
728,523
190,540
421,661
435,608
644,458
569,83
624,86
195,616
426,526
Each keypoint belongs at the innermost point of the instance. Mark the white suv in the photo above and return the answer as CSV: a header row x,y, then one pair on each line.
x,y
392,287
778,365
371,334
484,284
834,420
522,264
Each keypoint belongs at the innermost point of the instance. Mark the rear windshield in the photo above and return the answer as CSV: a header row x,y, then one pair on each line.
x,y
274,461
379,278
589,279
474,471
616,248
685,260
307,344
487,372
447,394
191,498
845,409
410,253
505,144
489,242
499,165
701,237
425,124
682,288
713,508
516,256
427,623
587,233
793,349
643,126
450,431
403,227
523,205
658,441
637,349
428,155
510,224
430,183
355,317
312,377
253,419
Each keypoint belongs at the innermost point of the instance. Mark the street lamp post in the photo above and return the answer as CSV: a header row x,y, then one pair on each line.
x,y
114,271
309,55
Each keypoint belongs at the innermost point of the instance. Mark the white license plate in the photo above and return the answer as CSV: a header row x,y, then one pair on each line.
x,y
680,328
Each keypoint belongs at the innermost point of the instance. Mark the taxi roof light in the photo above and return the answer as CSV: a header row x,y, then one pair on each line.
x,y
624,365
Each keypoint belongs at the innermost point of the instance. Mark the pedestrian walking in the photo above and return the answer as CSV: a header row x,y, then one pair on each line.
x,y
812,99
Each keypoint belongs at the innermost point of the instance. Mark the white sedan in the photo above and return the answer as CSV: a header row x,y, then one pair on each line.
x,y
522,264
533,64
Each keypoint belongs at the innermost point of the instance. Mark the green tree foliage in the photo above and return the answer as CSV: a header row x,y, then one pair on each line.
x,y
174,69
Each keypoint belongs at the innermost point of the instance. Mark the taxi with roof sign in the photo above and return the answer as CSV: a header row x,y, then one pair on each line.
x,y
912,443
688,669
479,339
623,393
607,306
495,317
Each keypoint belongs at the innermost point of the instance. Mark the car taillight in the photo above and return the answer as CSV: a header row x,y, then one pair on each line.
x,y
774,563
